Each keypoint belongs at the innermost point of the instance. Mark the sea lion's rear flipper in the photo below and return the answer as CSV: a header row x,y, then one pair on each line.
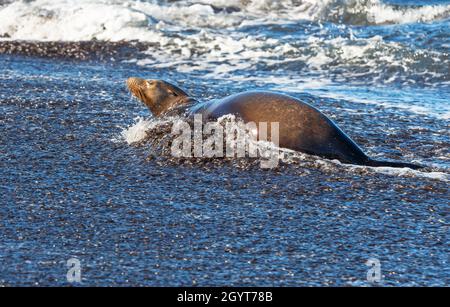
x,y
393,164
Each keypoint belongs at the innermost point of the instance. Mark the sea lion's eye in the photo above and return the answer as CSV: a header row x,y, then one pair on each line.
x,y
173,93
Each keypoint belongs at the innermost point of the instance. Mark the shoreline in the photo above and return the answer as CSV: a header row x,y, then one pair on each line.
x,y
80,50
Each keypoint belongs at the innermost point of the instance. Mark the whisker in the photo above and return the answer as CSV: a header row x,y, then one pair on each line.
x,y
140,95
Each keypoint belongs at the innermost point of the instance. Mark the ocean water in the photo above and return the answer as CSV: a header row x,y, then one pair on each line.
x,y
84,169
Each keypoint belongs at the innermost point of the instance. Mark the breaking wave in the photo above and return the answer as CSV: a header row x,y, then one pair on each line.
x,y
299,38
148,20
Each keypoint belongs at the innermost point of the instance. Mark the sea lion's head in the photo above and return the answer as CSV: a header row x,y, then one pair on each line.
x,y
158,95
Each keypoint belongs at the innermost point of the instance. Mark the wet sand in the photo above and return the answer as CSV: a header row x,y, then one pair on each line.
x,y
73,187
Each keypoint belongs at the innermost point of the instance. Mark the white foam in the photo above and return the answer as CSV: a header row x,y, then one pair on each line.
x,y
213,45
139,130
148,20
380,13
71,21
407,172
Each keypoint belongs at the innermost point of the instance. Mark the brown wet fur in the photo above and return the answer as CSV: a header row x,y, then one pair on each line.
x,y
301,126
159,96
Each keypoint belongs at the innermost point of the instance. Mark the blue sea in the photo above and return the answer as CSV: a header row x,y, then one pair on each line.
x,y
84,169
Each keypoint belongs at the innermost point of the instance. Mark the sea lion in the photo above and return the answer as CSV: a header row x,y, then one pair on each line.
x,y
302,127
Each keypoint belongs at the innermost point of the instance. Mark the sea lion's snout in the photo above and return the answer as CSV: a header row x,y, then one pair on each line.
x,y
135,84
132,81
